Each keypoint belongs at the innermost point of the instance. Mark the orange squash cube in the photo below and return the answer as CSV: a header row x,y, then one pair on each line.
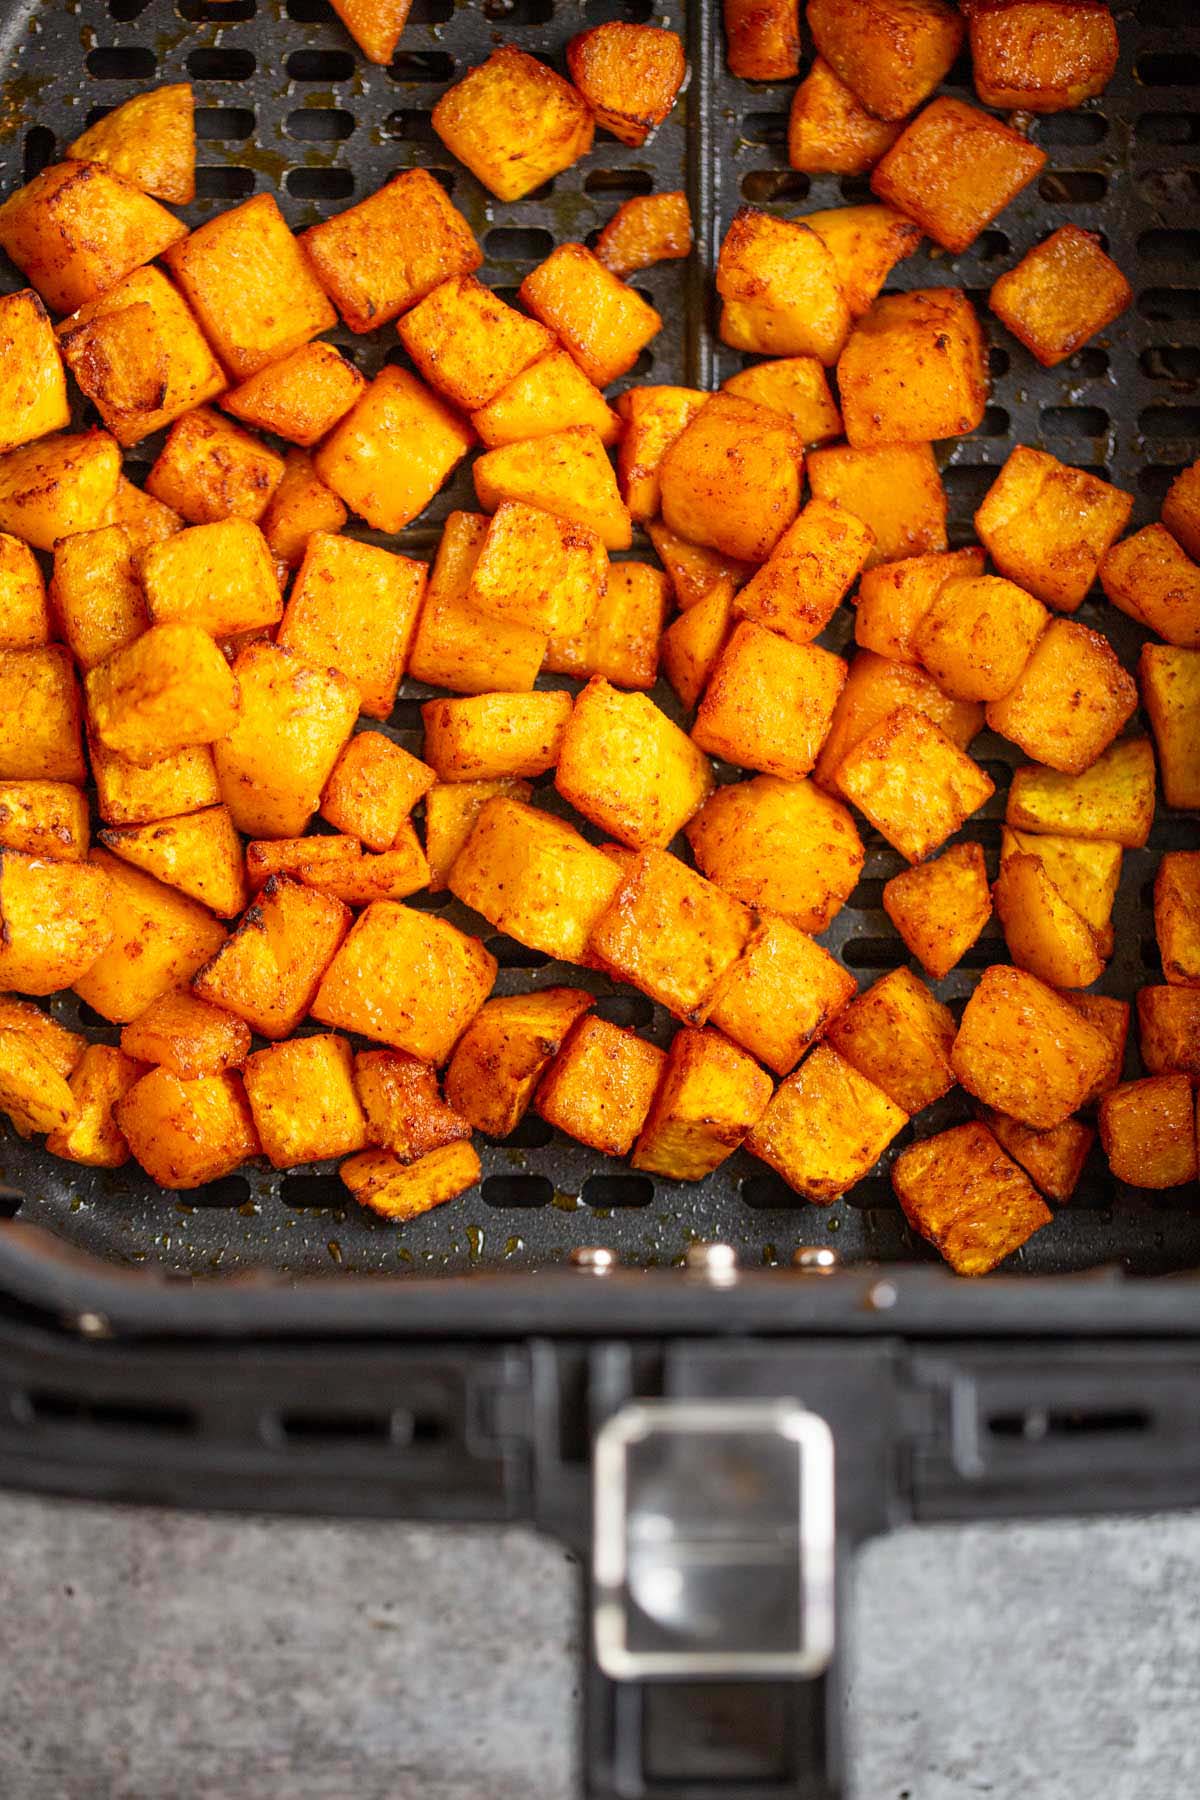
x,y
710,1096
293,723
672,934
783,846
489,736
1169,1030
44,818
1053,1160
187,1036
514,122
866,243
533,877
769,702
648,229
893,598
1181,510
34,1094
621,643
187,1133
33,388
301,397
914,368
953,169
1149,577
405,1113
1111,1019
551,395
826,1127
268,970
1060,294
978,634
808,573
625,766
1170,683
58,485
1112,800
731,479
566,473
25,620
77,228
356,879
796,386
394,449
146,519
209,469
890,53
1087,876
602,323
104,1076
780,286
762,39
1041,56
940,907
599,1087
830,131
300,857
219,577
375,25
200,854
149,140
694,570
972,1202
468,344
1043,931
158,938
1177,916
692,645
504,1052
304,1100
874,688
896,491
455,645
653,419
1070,701
128,795
403,1191
168,689
1048,527
96,595
899,1037
912,783
781,995
55,921
1026,1051
300,505
629,75
451,809
353,608
1148,1132
373,788
537,569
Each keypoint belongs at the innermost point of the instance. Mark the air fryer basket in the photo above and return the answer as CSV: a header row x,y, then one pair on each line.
x,y
287,105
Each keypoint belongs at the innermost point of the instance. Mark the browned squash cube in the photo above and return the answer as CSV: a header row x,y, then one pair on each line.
x,y
1087,875
210,469
912,783
1061,293
404,1110
357,879
1148,1132
44,818
781,289
625,766
168,689
1048,527
914,368
781,994
187,1133
58,485
769,702
149,140
762,39
304,1100
783,846
138,354
1169,1030
375,25
293,723
299,856
146,519
830,131
96,594
505,1051
1170,683
808,573
1181,509
533,877
1053,1160
1071,700
374,786
34,1094
896,491
874,688
647,229
826,1128
451,809
710,1096
629,75
599,1087
604,324
354,608
56,918
621,643
25,621
972,1202
900,1037
381,256
487,737
250,285
1043,931
468,344
978,634
1026,1050
866,243
514,122
953,169
406,979
455,645
694,569
940,907
1111,1019
104,1076
1149,577
1177,916
300,397
564,472
672,934
402,1191
540,570
300,505
129,795
187,1036
268,970
76,228
33,388
1041,56
893,598
551,395
219,577
653,419
796,386
1112,800
890,53
395,448
692,645
200,854
158,938
731,479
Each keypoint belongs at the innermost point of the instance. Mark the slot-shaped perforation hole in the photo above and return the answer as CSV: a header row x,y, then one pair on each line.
x,y
320,124
204,12
421,66
410,125
766,128
1036,1423
225,62
766,1191
322,1191
1167,68
125,11
1074,421
231,1191
121,62
320,184
1170,246
431,12
311,12
1154,480
515,243
762,186
1169,305
224,124
329,1428
633,12
320,65
1072,187
517,1190
220,183
1070,128
620,182
532,1133
1180,128
519,12
48,1406
38,151
617,1190
1167,421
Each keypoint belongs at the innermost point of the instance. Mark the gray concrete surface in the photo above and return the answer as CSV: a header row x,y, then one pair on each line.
x,y
151,1656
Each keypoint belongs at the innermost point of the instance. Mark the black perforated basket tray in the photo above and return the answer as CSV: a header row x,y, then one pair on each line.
x,y
286,104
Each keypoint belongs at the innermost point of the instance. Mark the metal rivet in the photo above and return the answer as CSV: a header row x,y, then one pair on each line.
x,y
882,1295
593,1259
716,1262
815,1259
93,1325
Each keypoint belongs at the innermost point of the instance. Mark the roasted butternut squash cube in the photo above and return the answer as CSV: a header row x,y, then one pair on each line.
x,y
953,169
304,1100
731,479
551,395
1149,577
55,920
1085,874
781,290
566,473
1113,799
25,619
354,608
710,1096
890,53
505,1051
33,387
187,1133
34,1094
1181,509
1043,931
104,1076
912,782
295,856
1148,1132
146,519
381,256
39,717
455,645
1053,1160
1060,294
1048,527
357,879
692,645
1111,1019
808,574
654,418
404,1110
781,995
968,1198
914,368
540,570
672,934
621,643
468,344
1177,916
647,229
210,469
168,689
1170,683
629,75
899,1037
77,228
978,634
533,877
407,979
1041,56
268,970
694,570
893,598
769,702
157,938
866,243
292,726
219,577
1169,1030
601,322
250,285
796,386
826,1127
783,846
896,491
187,1036
57,486
401,1191
514,122
96,595
200,854
375,25
373,788
128,795
487,737
762,39
1070,701
940,907
300,505
301,397
599,1087
139,355
874,688
1026,1050
451,809
393,450
149,140
625,766
830,131
44,818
